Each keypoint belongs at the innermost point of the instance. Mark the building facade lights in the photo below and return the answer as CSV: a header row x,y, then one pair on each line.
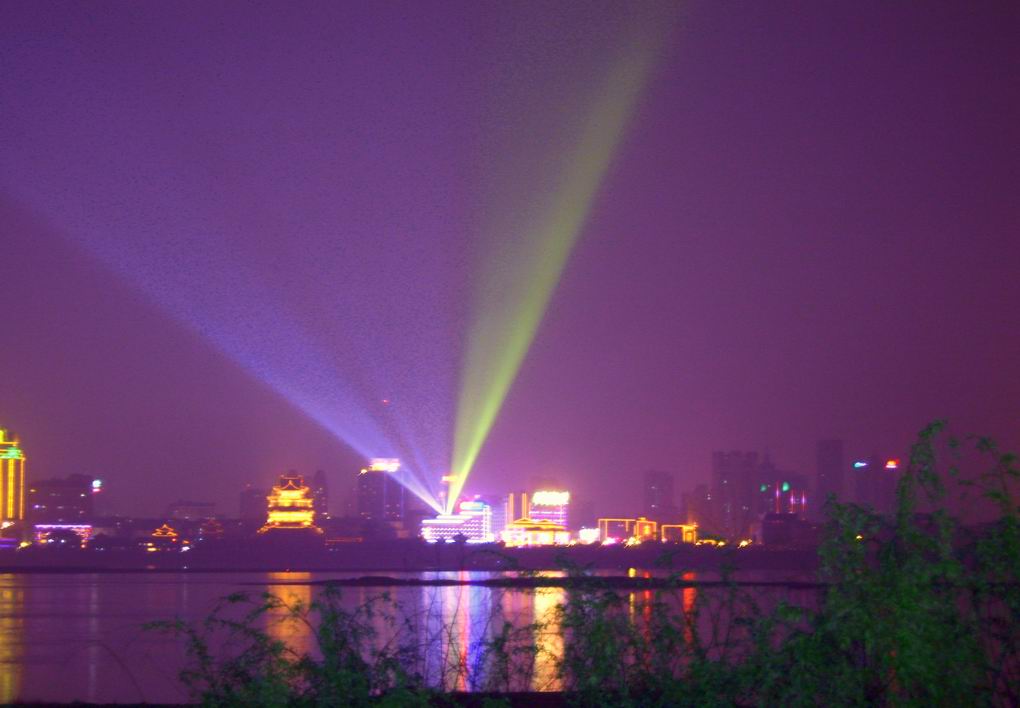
x,y
473,522
290,506
549,505
12,479
383,464
535,532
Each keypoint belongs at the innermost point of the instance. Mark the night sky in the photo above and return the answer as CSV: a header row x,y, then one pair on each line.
x,y
230,231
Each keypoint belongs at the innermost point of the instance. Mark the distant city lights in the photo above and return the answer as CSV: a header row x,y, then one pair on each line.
x,y
892,464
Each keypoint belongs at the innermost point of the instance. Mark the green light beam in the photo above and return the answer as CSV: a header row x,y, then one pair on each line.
x,y
515,298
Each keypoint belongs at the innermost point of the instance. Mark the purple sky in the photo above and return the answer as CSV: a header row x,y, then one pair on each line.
x,y
209,210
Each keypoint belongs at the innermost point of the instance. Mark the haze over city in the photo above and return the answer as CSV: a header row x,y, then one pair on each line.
x,y
240,240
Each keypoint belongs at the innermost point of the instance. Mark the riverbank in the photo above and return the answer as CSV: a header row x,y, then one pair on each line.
x,y
408,556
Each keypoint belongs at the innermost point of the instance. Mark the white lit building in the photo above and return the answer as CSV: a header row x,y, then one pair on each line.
x,y
473,521
551,506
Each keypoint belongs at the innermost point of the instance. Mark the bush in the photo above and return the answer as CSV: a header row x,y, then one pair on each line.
x,y
909,610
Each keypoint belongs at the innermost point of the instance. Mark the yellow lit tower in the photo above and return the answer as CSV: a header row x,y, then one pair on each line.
x,y
12,480
291,506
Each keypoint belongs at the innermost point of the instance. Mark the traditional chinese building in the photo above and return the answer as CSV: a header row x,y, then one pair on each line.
x,y
290,506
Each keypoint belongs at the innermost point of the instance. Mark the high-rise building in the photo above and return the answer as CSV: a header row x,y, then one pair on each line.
x,y
550,505
12,479
380,495
786,494
289,506
660,499
830,472
68,500
189,510
875,480
320,494
734,478
701,508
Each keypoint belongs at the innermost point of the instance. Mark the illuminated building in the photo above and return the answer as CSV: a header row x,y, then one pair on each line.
x,y
645,529
62,534
380,495
290,506
67,500
679,533
588,535
533,532
473,522
547,505
515,506
12,479
660,500
620,530
162,539
165,531
783,496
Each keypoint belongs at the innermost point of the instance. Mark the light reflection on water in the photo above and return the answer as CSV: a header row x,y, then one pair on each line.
x,y
548,638
287,622
11,623
66,637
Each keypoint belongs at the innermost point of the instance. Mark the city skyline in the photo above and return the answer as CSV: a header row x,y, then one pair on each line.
x,y
791,241
458,352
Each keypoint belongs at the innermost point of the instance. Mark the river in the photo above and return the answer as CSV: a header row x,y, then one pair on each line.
x,y
80,637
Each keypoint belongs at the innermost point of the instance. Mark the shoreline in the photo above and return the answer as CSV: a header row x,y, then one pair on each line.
x,y
414,557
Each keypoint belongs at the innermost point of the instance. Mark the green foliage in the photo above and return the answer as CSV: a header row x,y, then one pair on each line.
x,y
910,609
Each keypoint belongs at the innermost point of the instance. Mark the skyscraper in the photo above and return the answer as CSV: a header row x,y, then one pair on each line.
x,y
12,479
830,472
550,505
61,501
734,479
380,495
320,494
660,499
875,480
